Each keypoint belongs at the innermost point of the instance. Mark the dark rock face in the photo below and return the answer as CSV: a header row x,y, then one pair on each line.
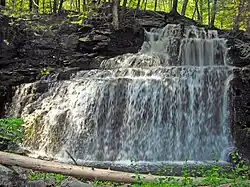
x,y
25,49
240,110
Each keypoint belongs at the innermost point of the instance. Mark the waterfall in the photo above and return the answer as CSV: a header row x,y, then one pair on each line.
x,y
168,102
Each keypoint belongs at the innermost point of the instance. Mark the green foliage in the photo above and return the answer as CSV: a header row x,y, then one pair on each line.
x,y
215,176
39,175
81,8
11,129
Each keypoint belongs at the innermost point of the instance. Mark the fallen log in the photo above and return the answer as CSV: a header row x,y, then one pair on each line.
x,y
87,173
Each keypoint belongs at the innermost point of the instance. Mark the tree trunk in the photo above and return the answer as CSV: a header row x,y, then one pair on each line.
x,y
238,17
79,5
55,6
60,6
115,13
137,7
208,12
174,8
36,6
201,12
155,5
197,8
213,14
184,7
30,5
2,2
145,7
84,8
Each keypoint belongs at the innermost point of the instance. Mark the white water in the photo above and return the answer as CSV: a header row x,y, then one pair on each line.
x,y
166,103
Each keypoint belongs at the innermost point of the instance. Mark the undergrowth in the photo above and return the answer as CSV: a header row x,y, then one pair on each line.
x,y
236,175
11,129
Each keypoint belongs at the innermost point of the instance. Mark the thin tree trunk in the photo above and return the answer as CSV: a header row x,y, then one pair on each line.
x,y
79,5
213,14
60,6
184,7
55,6
201,12
155,5
197,8
84,5
137,7
36,6
2,3
208,12
115,13
174,8
238,17
76,1
30,5
145,7
43,6
50,6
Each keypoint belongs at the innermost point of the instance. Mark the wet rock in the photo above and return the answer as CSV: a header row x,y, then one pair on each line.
x,y
72,182
100,37
66,74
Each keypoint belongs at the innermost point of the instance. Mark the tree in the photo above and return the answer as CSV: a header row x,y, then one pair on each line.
x,y
2,2
174,8
213,14
184,7
208,12
115,14
237,19
201,12
196,9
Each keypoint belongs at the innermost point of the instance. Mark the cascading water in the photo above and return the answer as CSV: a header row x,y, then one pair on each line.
x,y
166,103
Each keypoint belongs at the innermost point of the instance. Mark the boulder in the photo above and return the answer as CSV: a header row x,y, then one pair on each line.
x,y
9,178
72,182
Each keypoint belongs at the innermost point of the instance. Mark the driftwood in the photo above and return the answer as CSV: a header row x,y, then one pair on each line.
x,y
77,171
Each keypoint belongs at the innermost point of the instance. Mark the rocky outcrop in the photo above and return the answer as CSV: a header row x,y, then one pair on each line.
x,y
25,49
240,110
